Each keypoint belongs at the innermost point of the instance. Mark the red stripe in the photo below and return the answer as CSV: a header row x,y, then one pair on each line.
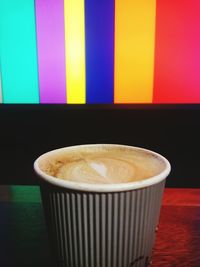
x,y
177,52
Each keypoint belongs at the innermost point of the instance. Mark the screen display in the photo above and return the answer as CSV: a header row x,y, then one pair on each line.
x,y
100,51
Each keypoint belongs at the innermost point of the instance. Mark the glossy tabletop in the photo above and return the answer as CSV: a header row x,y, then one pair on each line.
x,y
24,242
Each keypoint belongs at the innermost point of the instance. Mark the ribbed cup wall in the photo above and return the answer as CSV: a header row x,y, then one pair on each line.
x,y
114,229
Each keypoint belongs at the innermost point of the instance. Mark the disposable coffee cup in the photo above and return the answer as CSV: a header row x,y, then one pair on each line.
x,y
101,225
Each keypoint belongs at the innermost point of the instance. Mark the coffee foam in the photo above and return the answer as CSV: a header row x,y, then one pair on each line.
x,y
102,165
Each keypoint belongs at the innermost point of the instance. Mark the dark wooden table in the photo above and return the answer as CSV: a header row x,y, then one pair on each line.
x,y
23,236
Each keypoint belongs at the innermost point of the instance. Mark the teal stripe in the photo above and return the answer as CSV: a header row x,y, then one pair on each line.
x,y
0,88
18,51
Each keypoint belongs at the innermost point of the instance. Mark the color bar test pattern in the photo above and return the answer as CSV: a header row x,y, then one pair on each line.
x,y
100,51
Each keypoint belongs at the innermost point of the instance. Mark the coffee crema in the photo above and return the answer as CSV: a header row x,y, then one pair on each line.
x,y
102,164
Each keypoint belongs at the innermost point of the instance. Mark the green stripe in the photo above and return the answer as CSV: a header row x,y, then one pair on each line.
x,y
25,194
18,51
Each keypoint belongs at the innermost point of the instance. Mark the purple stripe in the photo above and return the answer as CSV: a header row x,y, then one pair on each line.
x,y
51,50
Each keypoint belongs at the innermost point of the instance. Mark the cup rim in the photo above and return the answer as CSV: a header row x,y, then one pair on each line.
x,y
102,187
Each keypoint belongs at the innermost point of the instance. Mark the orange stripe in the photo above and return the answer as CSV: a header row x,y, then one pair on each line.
x,y
134,50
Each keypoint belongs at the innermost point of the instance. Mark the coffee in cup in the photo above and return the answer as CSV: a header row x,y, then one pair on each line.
x,y
103,165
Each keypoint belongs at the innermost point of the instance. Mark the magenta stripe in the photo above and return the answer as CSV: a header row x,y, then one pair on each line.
x,y
51,50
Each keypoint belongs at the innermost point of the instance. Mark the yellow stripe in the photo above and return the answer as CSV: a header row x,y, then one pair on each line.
x,y
134,50
75,51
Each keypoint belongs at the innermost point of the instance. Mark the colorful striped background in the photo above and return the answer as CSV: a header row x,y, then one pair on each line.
x,y
100,51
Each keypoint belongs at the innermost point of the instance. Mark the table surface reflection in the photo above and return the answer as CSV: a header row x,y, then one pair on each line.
x,y
23,236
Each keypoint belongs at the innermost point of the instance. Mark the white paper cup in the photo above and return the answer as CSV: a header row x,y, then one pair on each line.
x,y
100,225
